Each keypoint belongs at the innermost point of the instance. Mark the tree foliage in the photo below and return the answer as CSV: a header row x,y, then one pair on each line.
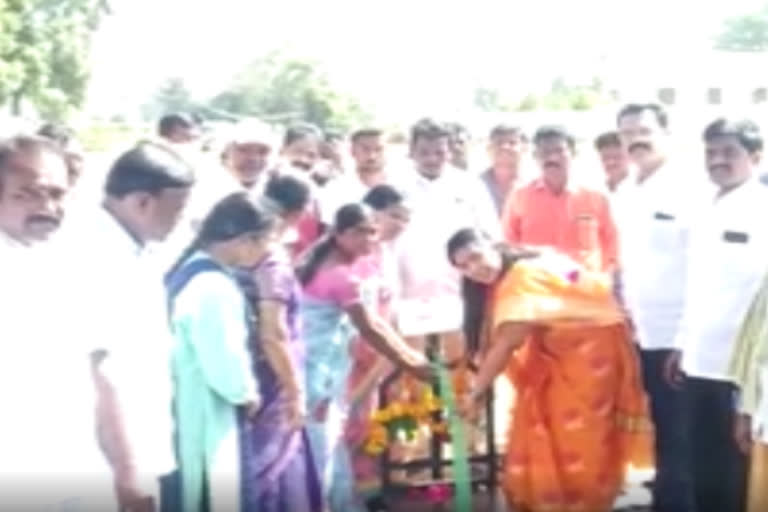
x,y
282,89
747,33
172,96
490,100
561,96
44,48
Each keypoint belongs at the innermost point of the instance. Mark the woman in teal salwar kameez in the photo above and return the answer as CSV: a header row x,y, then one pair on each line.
x,y
335,308
212,366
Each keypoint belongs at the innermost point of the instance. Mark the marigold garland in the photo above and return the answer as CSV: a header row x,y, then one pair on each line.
x,y
407,416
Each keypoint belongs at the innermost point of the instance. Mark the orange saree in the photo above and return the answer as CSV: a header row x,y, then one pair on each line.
x,y
581,416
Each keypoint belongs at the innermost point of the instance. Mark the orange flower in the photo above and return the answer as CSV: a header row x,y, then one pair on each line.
x,y
396,410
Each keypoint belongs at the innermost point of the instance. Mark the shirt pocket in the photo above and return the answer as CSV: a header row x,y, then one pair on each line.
x,y
740,250
666,232
587,228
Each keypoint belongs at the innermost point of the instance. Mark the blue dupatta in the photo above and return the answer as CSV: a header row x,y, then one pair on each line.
x,y
327,337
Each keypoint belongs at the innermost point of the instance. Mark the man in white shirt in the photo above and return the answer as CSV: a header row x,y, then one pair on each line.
x,y
459,145
727,257
367,148
653,207
506,147
615,159
248,150
49,454
245,164
300,151
121,293
443,200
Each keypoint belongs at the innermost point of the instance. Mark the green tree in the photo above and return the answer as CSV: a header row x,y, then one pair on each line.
x,y
584,99
747,33
490,100
172,96
282,89
44,46
562,96
529,103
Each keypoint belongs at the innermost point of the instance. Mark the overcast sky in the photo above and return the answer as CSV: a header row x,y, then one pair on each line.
x,y
398,55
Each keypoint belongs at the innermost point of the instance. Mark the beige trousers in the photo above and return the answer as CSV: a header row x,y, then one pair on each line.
x,y
758,479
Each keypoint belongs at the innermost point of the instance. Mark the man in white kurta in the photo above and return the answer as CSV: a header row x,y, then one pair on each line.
x,y
49,455
368,152
443,200
121,309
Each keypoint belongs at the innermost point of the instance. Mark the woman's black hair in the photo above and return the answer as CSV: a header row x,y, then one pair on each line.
x,y
290,193
233,216
347,217
475,295
382,197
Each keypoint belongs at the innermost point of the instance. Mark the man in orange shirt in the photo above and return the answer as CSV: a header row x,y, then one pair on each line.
x,y
553,211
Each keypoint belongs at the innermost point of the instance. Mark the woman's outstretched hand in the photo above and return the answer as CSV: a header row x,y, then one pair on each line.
x,y
468,405
423,370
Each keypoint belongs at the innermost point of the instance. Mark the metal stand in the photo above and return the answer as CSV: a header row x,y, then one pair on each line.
x,y
436,462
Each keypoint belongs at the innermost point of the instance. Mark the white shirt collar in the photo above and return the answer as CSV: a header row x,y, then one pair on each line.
x,y
631,182
752,184
118,232
445,176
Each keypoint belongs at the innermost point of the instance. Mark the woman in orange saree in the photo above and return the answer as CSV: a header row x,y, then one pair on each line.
x,y
581,416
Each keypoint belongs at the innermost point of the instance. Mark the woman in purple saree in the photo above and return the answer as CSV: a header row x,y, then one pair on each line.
x,y
278,471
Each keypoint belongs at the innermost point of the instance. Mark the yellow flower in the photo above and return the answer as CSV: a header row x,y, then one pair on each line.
x,y
372,448
433,404
396,410
418,411
380,430
380,416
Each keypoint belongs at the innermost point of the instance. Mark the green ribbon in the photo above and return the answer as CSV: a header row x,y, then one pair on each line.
x,y
459,453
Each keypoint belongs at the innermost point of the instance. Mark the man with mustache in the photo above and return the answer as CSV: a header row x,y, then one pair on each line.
x,y
726,261
32,194
554,211
368,152
50,456
653,209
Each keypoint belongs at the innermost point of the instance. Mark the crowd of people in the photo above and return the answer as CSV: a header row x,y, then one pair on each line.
x,y
210,334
